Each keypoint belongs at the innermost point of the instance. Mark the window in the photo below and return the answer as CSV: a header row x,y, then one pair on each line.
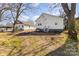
x,y
39,24
55,23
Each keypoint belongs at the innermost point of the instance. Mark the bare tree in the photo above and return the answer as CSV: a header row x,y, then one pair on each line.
x,y
17,10
17,15
70,13
3,8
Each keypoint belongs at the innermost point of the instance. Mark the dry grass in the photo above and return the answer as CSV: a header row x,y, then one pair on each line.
x,y
30,45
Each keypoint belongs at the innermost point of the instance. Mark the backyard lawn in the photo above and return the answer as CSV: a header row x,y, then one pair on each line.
x,y
30,44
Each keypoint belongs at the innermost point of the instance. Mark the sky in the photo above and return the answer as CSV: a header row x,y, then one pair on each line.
x,y
40,8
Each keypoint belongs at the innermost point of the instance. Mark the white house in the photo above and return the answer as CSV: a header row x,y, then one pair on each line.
x,y
29,25
24,25
19,26
8,26
48,23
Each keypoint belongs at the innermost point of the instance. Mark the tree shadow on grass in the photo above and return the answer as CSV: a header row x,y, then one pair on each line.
x,y
57,52
68,49
37,33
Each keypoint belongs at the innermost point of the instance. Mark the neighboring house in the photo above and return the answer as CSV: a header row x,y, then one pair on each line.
x,y
25,25
19,26
48,23
29,25
5,26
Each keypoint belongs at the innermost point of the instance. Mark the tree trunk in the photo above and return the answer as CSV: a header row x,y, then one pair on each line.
x,y
17,16
72,34
15,22
0,15
14,26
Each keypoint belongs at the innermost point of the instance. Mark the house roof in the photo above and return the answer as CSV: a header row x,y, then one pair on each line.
x,y
45,15
19,22
28,23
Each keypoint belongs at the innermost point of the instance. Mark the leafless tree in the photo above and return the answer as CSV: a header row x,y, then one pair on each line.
x,y
3,8
71,19
17,10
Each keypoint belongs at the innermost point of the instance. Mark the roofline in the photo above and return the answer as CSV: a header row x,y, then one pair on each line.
x,y
47,14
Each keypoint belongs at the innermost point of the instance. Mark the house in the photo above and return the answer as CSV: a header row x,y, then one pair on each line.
x,y
47,22
24,25
5,26
19,26
29,25
8,26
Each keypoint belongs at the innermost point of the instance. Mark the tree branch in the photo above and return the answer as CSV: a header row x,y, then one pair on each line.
x,y
65,8
73,7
